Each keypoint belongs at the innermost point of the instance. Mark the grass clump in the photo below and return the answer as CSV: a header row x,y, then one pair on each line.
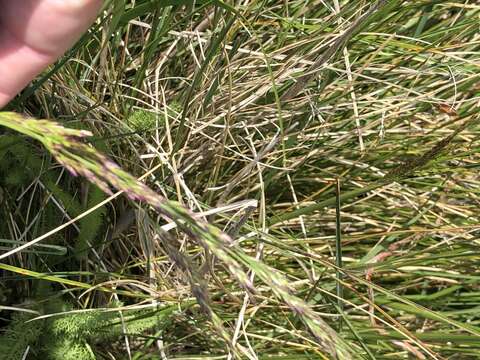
x,y
244,146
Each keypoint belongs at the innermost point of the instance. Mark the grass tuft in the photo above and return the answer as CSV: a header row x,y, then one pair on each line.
x,y
192,163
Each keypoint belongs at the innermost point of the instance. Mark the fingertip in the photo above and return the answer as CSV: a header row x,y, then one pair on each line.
x,y
77,6
34,33
4,100
49,26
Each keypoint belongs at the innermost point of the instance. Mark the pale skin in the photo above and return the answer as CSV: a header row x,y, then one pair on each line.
x,y
35,33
